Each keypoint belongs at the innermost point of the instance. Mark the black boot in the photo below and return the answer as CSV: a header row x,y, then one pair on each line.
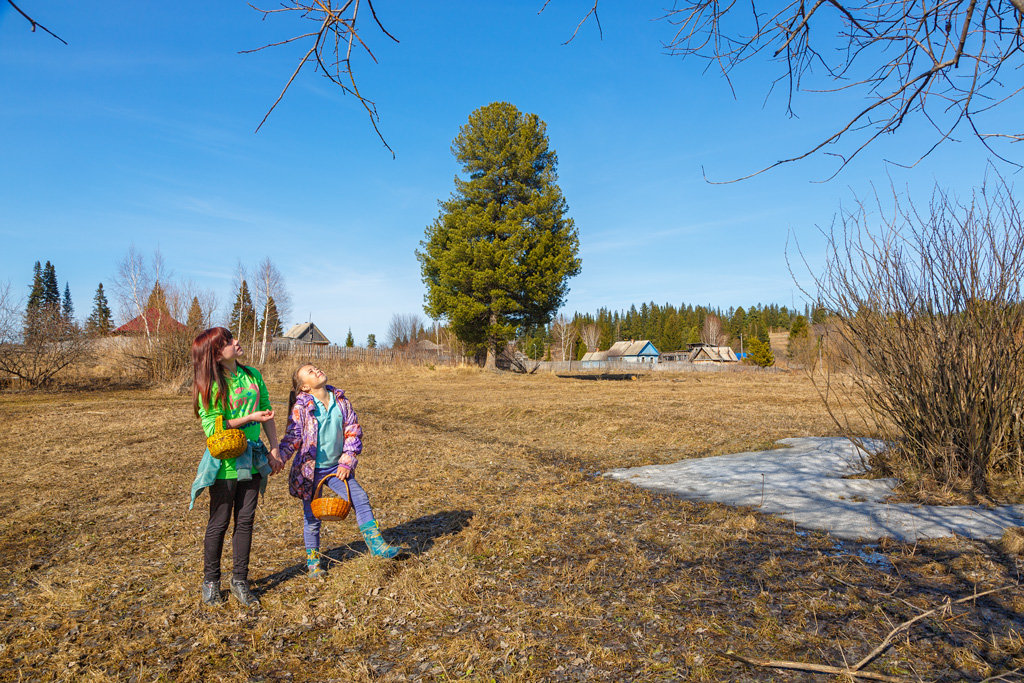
x,y
211,593
240,589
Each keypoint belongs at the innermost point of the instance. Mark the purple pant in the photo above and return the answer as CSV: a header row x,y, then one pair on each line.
x,y
360,502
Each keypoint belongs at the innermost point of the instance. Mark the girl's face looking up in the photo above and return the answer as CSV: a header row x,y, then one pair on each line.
x,y
312,377
230,352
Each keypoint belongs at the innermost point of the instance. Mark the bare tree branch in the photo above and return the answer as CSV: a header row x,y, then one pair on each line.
x,y
906,57
337,27
35,23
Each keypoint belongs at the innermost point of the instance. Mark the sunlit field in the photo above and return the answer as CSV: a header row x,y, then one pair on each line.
x,y
525,563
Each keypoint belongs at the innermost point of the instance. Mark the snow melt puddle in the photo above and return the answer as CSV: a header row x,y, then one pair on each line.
x,y
866,553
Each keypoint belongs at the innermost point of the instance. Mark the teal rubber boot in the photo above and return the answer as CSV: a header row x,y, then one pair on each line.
x,y
313,568
375,542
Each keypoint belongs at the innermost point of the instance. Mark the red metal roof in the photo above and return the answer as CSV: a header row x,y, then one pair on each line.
x,y
158,321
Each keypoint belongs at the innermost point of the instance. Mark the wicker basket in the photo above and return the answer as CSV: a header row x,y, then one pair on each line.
x,y
226,443
330,509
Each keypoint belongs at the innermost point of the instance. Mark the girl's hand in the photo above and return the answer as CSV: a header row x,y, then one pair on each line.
x,y
276,464
261,416
343,472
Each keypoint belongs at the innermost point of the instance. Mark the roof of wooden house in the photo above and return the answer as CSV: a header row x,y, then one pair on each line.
x,y
307,332
426,345
714,354
594,356
631,348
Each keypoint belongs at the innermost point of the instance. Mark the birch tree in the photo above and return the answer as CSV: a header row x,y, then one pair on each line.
x,y
270,291
133,284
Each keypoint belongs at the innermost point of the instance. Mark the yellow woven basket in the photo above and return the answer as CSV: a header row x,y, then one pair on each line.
x,y
226,443
330,509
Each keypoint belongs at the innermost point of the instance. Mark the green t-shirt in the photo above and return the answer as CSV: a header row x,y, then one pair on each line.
x,y
246,394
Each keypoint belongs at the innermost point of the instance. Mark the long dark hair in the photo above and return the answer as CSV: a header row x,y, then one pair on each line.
x,y
208,370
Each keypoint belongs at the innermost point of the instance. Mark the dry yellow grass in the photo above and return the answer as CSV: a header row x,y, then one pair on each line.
x,y
526,565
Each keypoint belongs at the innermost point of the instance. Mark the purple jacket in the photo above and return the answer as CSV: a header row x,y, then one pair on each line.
x,y
300,440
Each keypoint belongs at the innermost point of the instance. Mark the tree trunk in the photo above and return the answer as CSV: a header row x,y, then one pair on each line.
x,y
263,346
492,346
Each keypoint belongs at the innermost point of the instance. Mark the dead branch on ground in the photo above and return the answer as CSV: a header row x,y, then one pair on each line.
x,y
856,671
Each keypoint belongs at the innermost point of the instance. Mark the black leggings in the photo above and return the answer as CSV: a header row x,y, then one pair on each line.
x,y
227,496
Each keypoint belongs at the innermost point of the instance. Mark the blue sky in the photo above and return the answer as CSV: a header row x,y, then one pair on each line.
x,y
141,131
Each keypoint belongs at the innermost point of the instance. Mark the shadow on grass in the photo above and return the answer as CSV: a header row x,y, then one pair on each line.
x,y
417,535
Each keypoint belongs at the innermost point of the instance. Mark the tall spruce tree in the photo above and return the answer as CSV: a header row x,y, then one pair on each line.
x,y
243,314
157,300
273,319
499,256
99,320
51,290
194,322
350,340
67,309
371,341
35,296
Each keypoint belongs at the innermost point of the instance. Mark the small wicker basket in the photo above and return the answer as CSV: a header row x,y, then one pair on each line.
x,y
226,443
330,509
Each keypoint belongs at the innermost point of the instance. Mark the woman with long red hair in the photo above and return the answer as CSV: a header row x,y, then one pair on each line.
x,y
236,393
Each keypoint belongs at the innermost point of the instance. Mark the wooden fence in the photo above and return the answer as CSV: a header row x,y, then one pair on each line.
x,y
357,354
620,367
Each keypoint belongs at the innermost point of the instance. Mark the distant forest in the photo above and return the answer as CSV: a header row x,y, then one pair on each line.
x,y
672,328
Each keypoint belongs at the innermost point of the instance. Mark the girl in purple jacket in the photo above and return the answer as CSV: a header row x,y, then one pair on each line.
x,y
324,436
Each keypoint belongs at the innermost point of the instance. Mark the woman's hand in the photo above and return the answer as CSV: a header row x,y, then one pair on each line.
x,y
261,416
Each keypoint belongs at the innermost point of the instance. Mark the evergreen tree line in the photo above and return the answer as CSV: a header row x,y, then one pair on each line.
x,y
668,327
46,306
45,300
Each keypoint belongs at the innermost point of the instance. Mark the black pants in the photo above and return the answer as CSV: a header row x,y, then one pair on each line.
x,y
227,496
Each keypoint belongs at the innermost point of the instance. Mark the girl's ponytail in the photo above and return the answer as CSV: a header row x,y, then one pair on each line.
x,y
291,401
296,388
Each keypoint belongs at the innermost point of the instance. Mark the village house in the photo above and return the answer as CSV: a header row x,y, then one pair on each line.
x,y
303,333
642,351
594,359
705,353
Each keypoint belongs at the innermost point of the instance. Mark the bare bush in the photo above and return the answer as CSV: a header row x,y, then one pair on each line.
x,y
928,315
35,346
404,329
